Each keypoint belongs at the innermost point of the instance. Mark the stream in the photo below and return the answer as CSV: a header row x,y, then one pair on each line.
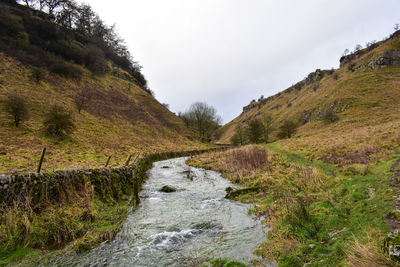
x,y
183,228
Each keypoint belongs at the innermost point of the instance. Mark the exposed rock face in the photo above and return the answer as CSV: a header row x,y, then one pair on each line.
x,y
388,58
313,77
250,106
306,116
316,76
349,58
337,106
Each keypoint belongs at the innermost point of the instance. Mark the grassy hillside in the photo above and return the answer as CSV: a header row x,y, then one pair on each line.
x,y
118,119
328,191
363,94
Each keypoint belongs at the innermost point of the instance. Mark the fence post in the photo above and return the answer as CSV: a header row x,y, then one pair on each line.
x,y
41,160
108,161
136,158
128,160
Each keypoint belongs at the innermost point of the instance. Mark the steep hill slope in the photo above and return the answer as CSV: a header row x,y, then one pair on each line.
x,y
364,92
68,56
329,194
118,119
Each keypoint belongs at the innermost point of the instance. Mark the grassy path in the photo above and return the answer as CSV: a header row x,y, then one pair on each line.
x,y
351,219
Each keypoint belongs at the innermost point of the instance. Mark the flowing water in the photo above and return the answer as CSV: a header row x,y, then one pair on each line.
x,y
187,227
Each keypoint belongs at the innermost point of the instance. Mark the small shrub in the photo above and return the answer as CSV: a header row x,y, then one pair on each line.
x,y
37,75
351,67
335,76
67,70
58,122
22,40
16,107
330,116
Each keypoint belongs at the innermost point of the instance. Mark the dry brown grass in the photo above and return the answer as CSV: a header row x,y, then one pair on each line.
x,y
371,121
367,253
239,164
49,223
246,162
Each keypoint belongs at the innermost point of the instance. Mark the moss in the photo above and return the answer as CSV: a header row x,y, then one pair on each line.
x,y
235,193
225,263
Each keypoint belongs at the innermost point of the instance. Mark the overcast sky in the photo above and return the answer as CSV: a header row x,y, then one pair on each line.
x,y
228,52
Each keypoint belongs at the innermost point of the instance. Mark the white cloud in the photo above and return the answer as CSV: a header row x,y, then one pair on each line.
x,y
227,52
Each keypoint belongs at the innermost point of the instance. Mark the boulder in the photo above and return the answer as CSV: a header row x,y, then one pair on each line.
x,y
391,245
167,189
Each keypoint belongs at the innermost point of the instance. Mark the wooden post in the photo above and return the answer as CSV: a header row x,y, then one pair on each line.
x,y
108,161
41,160
136,188
128,160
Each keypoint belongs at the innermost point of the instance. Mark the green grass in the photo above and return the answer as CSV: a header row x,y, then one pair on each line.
x,y
349,207
304,209
8,256
103,225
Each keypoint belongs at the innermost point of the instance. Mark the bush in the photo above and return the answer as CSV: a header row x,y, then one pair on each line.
x,y
58,122
22,40
287,129
67,70
239,139
16,107
95,60
351,67
37,75
335,76
330,116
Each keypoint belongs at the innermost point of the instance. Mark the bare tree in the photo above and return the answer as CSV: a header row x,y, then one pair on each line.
x,y
203,119
67,15
81,99
29,3
52,4
357,48
396,27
